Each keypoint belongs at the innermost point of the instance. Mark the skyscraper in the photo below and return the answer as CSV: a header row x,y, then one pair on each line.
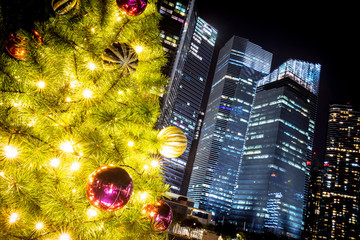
x,y
273,176
181,104
339,215
174,14
240,65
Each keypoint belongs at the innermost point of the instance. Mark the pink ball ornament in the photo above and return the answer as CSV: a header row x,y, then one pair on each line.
x,y
160,213
109,188
132,7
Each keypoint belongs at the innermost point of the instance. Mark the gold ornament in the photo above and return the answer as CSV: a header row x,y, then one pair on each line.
x,y
173,142
63,6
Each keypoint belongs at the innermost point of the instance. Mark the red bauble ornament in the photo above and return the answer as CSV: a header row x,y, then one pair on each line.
x,y
15,46
160,213
132,7
109,188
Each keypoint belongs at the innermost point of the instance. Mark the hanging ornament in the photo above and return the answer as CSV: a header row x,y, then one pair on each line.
x,y
16,46
160,213
173,142
132,7
120,56
36,35
63,6
109,188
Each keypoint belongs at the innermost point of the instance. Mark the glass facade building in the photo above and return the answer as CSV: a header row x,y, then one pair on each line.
x,y
174,14
273,179
240,65
338,214
181,104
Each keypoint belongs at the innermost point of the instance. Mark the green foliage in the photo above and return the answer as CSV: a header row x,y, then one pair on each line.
x,y
36,121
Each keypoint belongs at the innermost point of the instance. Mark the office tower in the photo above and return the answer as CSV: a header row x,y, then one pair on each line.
x,y
174,13
339,208
273,176
181,105
240,65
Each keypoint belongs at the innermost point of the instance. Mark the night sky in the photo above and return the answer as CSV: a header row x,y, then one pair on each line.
x,y
304,30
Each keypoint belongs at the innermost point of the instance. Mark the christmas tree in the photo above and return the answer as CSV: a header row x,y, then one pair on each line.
x,y
79,99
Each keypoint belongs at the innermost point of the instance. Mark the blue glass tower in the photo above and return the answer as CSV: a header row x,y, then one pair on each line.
x,y
239,67
273,178
181,104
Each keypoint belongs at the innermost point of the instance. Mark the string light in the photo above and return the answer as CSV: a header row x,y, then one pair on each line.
x,y
143,196
131,143
92,65
68,99
13,217
55,162
39,226
11,152
73,84
155,163
75,166
139,49
64,236
40,84
92,212
87,93
67,147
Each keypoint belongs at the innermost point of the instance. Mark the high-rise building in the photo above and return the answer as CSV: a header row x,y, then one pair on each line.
x,y
240,65
273,177
181,104
174,14
339,215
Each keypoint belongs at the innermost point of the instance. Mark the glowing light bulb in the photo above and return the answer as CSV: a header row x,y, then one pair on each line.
x,y
155,163
131,143
143,196
75,166
67,147
13,217
39,226
87,93
40,84
92,212
93,30
11,152
139,49
92,65
68,99
2,174
146,167
64,236
55,162
73,84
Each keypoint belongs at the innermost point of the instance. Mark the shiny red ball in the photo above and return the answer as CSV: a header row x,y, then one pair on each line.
x,y
109,188
160,213
132,7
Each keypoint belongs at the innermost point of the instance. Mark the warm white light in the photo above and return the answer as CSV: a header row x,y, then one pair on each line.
x,y
67,147
93,30
54,162
146,167
40,84
39,226
92,65
92,212
11,152
87,93
143,196
75,166
73,84
139,49
155,163
64,236
13,217
68,99
2,174
130,143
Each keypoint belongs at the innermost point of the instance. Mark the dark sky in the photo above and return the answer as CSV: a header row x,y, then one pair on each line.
x,y
312,31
